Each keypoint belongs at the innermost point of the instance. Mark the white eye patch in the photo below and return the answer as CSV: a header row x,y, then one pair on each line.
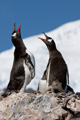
x,y
14,35
49,40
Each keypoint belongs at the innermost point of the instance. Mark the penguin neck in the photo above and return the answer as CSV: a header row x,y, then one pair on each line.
x,y
19,44
51,47
52,52
20,49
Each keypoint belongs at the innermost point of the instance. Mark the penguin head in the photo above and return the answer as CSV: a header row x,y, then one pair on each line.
x,y
49,42
16,35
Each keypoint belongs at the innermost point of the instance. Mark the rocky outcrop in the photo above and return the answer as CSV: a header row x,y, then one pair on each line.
x,y
35,106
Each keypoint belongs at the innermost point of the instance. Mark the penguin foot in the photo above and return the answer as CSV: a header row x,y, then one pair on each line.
x,y
56,91
53,90
6,94
69,89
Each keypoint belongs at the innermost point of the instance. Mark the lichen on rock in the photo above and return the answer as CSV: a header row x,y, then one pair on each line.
x,y
36,106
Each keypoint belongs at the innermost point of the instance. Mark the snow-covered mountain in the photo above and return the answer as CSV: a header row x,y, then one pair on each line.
x,y
67,38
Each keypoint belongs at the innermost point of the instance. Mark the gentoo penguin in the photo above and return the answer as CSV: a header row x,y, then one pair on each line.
x,y
56,75
23,70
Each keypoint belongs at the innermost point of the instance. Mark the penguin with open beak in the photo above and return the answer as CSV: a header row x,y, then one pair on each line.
x,y
23,69
55,77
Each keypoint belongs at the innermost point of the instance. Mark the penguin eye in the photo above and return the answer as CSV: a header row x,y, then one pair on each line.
x,y
49,40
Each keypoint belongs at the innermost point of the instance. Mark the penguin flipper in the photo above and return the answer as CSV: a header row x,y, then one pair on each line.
x,y
44,76
67,75
30,65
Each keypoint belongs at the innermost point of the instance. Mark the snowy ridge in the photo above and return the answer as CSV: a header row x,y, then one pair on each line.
x,y
67,39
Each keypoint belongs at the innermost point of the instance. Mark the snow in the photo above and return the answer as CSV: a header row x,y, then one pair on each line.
x,y
67,39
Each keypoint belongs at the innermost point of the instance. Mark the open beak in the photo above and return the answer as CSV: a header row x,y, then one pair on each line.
x,y
14,27
43,38
19,28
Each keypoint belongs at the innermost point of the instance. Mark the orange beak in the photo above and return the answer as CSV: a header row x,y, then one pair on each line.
x,y
19,28
43,38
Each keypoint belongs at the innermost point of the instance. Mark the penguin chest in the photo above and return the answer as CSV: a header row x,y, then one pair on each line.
x,y
27,77
43,86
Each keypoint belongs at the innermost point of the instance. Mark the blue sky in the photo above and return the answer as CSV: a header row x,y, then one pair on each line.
x,y
35,17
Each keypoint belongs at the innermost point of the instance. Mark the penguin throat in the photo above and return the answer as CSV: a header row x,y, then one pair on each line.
x,y
19,52
51,48
20,49
54,53
18,43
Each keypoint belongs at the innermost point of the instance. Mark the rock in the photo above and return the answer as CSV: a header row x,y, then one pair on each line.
x,y
35,106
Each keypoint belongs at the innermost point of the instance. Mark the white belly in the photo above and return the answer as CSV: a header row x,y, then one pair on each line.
x,y
43,86
27,78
